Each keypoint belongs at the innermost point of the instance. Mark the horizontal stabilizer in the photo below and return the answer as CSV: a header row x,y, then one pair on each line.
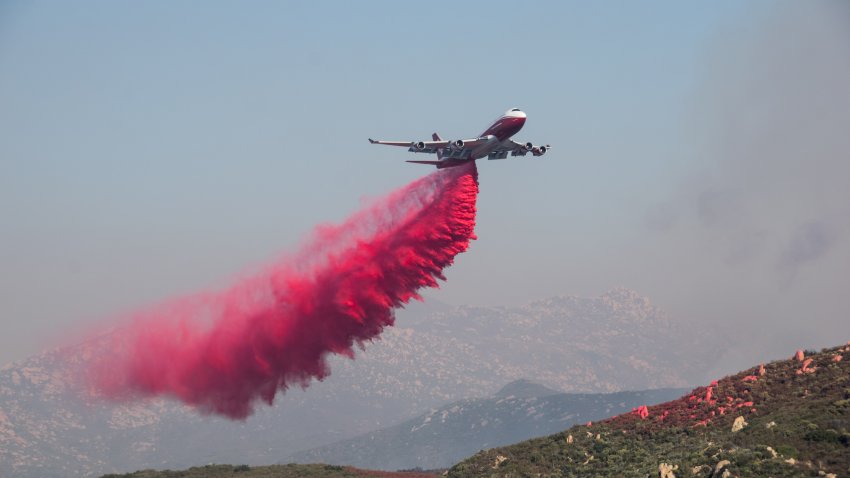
x,y
446,163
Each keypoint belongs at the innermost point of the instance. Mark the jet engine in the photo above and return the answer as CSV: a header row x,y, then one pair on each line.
x,y
458,144
419,145
539,151
529,146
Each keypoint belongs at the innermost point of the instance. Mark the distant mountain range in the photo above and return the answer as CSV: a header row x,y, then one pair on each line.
x,y
789,418
445,435
50,426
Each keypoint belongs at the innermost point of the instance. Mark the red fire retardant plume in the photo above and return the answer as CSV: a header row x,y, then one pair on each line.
x,y
222,352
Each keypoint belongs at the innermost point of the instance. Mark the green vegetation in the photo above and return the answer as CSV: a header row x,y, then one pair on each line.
x,y
274,471
798,424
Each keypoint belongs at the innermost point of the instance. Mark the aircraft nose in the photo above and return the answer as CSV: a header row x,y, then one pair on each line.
x,y
516,113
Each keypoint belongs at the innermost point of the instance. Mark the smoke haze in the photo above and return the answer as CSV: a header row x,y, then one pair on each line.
x,y
761,229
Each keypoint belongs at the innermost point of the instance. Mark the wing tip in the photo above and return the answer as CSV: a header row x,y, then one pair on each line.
x,y
372,141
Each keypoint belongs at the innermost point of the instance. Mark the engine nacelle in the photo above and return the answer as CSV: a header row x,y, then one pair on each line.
x,y
539,150
529,146
419,145
458,144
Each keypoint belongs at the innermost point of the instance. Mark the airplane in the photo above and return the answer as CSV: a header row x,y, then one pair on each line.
x,y
494,143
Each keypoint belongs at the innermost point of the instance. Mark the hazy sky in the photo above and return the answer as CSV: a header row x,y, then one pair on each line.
x,y
149,149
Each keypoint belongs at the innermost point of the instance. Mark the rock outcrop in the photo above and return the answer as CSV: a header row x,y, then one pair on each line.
x,y
739,424
666,471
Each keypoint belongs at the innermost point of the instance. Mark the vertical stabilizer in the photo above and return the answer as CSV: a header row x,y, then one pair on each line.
x,y
436,137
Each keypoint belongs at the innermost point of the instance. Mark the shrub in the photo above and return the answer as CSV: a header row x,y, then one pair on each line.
x,y
787,451
825,436
744,457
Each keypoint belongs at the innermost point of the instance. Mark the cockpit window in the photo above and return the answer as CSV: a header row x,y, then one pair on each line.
x,y
515,109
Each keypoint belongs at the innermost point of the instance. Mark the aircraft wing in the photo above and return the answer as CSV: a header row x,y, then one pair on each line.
x,y
428,144
521,149
433,146
415,146
517,149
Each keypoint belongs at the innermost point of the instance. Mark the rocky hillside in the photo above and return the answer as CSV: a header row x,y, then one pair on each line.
x,y
783,419
50,426
444,435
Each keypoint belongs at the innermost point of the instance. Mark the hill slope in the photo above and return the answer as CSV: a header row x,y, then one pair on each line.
x,y
444,435
787,418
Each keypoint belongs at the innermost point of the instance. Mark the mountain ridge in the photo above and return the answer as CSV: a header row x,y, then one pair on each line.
x,y
524,388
